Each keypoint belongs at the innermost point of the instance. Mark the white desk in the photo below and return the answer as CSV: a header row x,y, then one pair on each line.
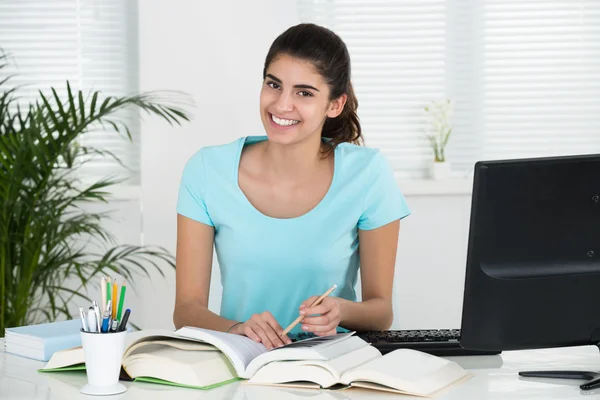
x,y
495,377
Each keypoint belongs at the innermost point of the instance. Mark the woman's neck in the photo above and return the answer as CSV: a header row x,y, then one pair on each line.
x,y
297,162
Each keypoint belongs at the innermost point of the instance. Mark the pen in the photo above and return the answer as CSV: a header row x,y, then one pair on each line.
x,y
98,315
315,303
115,325
123,325
83,319
91,320
106,318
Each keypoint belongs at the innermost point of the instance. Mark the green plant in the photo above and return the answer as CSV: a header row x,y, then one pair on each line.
x,y
47,237
439,128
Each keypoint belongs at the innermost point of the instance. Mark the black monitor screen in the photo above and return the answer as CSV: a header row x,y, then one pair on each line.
x,y
533,259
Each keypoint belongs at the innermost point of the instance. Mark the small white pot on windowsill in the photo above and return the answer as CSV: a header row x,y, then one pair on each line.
x,y
439,170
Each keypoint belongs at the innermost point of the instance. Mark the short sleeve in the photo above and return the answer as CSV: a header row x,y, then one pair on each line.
x,y
191,201
383,201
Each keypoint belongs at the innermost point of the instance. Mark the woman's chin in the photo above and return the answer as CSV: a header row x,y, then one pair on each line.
x,y
283,136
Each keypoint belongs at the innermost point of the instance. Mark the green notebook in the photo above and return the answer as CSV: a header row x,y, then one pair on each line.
x,y
163,382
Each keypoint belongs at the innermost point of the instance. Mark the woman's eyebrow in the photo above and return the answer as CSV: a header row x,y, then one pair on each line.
x,y
276,79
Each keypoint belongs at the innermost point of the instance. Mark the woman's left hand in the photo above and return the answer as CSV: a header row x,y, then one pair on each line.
x,y
327,319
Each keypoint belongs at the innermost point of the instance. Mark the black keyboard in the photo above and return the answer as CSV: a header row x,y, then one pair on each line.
x,y
439,342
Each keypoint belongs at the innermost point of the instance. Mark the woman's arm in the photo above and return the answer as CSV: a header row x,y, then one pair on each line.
x,y
194,262
377,249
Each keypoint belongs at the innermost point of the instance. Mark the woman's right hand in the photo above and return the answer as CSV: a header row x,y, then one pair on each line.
x,y
263,328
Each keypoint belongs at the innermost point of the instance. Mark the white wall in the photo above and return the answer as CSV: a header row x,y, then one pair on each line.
x,y
215,52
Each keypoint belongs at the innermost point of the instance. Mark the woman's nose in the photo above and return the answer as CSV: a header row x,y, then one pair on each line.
x,y
284,103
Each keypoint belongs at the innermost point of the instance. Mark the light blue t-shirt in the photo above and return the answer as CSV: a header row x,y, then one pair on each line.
x,y
272,264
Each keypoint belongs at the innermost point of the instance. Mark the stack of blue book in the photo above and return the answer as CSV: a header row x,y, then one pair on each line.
x,y
39,342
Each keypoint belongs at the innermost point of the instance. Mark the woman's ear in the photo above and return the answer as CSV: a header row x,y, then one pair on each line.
x,y
337,106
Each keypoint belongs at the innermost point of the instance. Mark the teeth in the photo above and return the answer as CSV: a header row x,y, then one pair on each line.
x,y
283,122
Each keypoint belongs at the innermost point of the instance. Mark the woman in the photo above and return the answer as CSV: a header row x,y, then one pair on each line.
x,y
288,212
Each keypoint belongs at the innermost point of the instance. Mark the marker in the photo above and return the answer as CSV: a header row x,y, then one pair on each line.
x,y
123,325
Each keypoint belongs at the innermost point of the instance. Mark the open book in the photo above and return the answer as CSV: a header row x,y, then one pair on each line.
x,y
202,358
402,371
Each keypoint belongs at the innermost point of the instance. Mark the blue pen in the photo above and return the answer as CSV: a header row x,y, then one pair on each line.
x,y
106,318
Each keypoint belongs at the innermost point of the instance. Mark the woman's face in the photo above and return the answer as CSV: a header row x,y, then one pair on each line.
x,y
294,101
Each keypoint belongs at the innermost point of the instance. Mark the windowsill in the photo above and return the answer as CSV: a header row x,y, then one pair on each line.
x,y
429,187
409,187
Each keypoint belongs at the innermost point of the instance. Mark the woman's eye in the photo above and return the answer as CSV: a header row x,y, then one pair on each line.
x,y
305,94
273,85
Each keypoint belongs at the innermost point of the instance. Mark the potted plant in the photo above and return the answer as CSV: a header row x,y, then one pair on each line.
x,y
438,132
47,237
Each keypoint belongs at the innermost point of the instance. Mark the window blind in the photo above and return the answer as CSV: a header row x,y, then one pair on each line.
x,y
93,45
524,75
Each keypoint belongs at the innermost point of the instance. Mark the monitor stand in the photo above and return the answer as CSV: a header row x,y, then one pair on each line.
x,y
593,378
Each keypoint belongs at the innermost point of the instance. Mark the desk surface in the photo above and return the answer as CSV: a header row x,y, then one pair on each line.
x,y
495,377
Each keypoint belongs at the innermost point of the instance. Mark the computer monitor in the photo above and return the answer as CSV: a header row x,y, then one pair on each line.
x,y
533,260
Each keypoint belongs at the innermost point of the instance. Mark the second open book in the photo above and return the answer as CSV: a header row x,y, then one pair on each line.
x,y
204,359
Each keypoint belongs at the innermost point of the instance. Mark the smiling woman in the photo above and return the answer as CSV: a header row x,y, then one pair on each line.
x,y
289,211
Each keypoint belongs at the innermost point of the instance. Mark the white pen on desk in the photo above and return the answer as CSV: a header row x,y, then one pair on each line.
x,y
91,320
83,320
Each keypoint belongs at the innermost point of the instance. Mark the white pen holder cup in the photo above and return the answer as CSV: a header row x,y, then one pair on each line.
x,y
103,353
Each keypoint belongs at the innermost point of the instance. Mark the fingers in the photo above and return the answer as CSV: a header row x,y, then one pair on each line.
x,y
308,302
319,320
321,324
322,319
320,309
265,329
329,304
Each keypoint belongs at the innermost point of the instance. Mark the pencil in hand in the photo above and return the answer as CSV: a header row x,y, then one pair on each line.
x,y
315,303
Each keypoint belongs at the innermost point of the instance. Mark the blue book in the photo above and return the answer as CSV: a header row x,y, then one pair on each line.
x,y
39,342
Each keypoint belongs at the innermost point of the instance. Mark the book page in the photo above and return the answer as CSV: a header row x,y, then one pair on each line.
x,y
73,356
65,358
325,373
323,348
409,371
240,349
181,344
198,368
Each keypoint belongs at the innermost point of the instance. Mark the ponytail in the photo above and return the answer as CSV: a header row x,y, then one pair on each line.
x,y
345,128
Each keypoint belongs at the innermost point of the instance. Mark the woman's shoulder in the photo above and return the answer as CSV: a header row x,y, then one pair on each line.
x,y
218,150
352,154
215,156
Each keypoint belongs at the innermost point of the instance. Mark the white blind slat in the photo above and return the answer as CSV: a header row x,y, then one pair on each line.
x,y
524,76
89,43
